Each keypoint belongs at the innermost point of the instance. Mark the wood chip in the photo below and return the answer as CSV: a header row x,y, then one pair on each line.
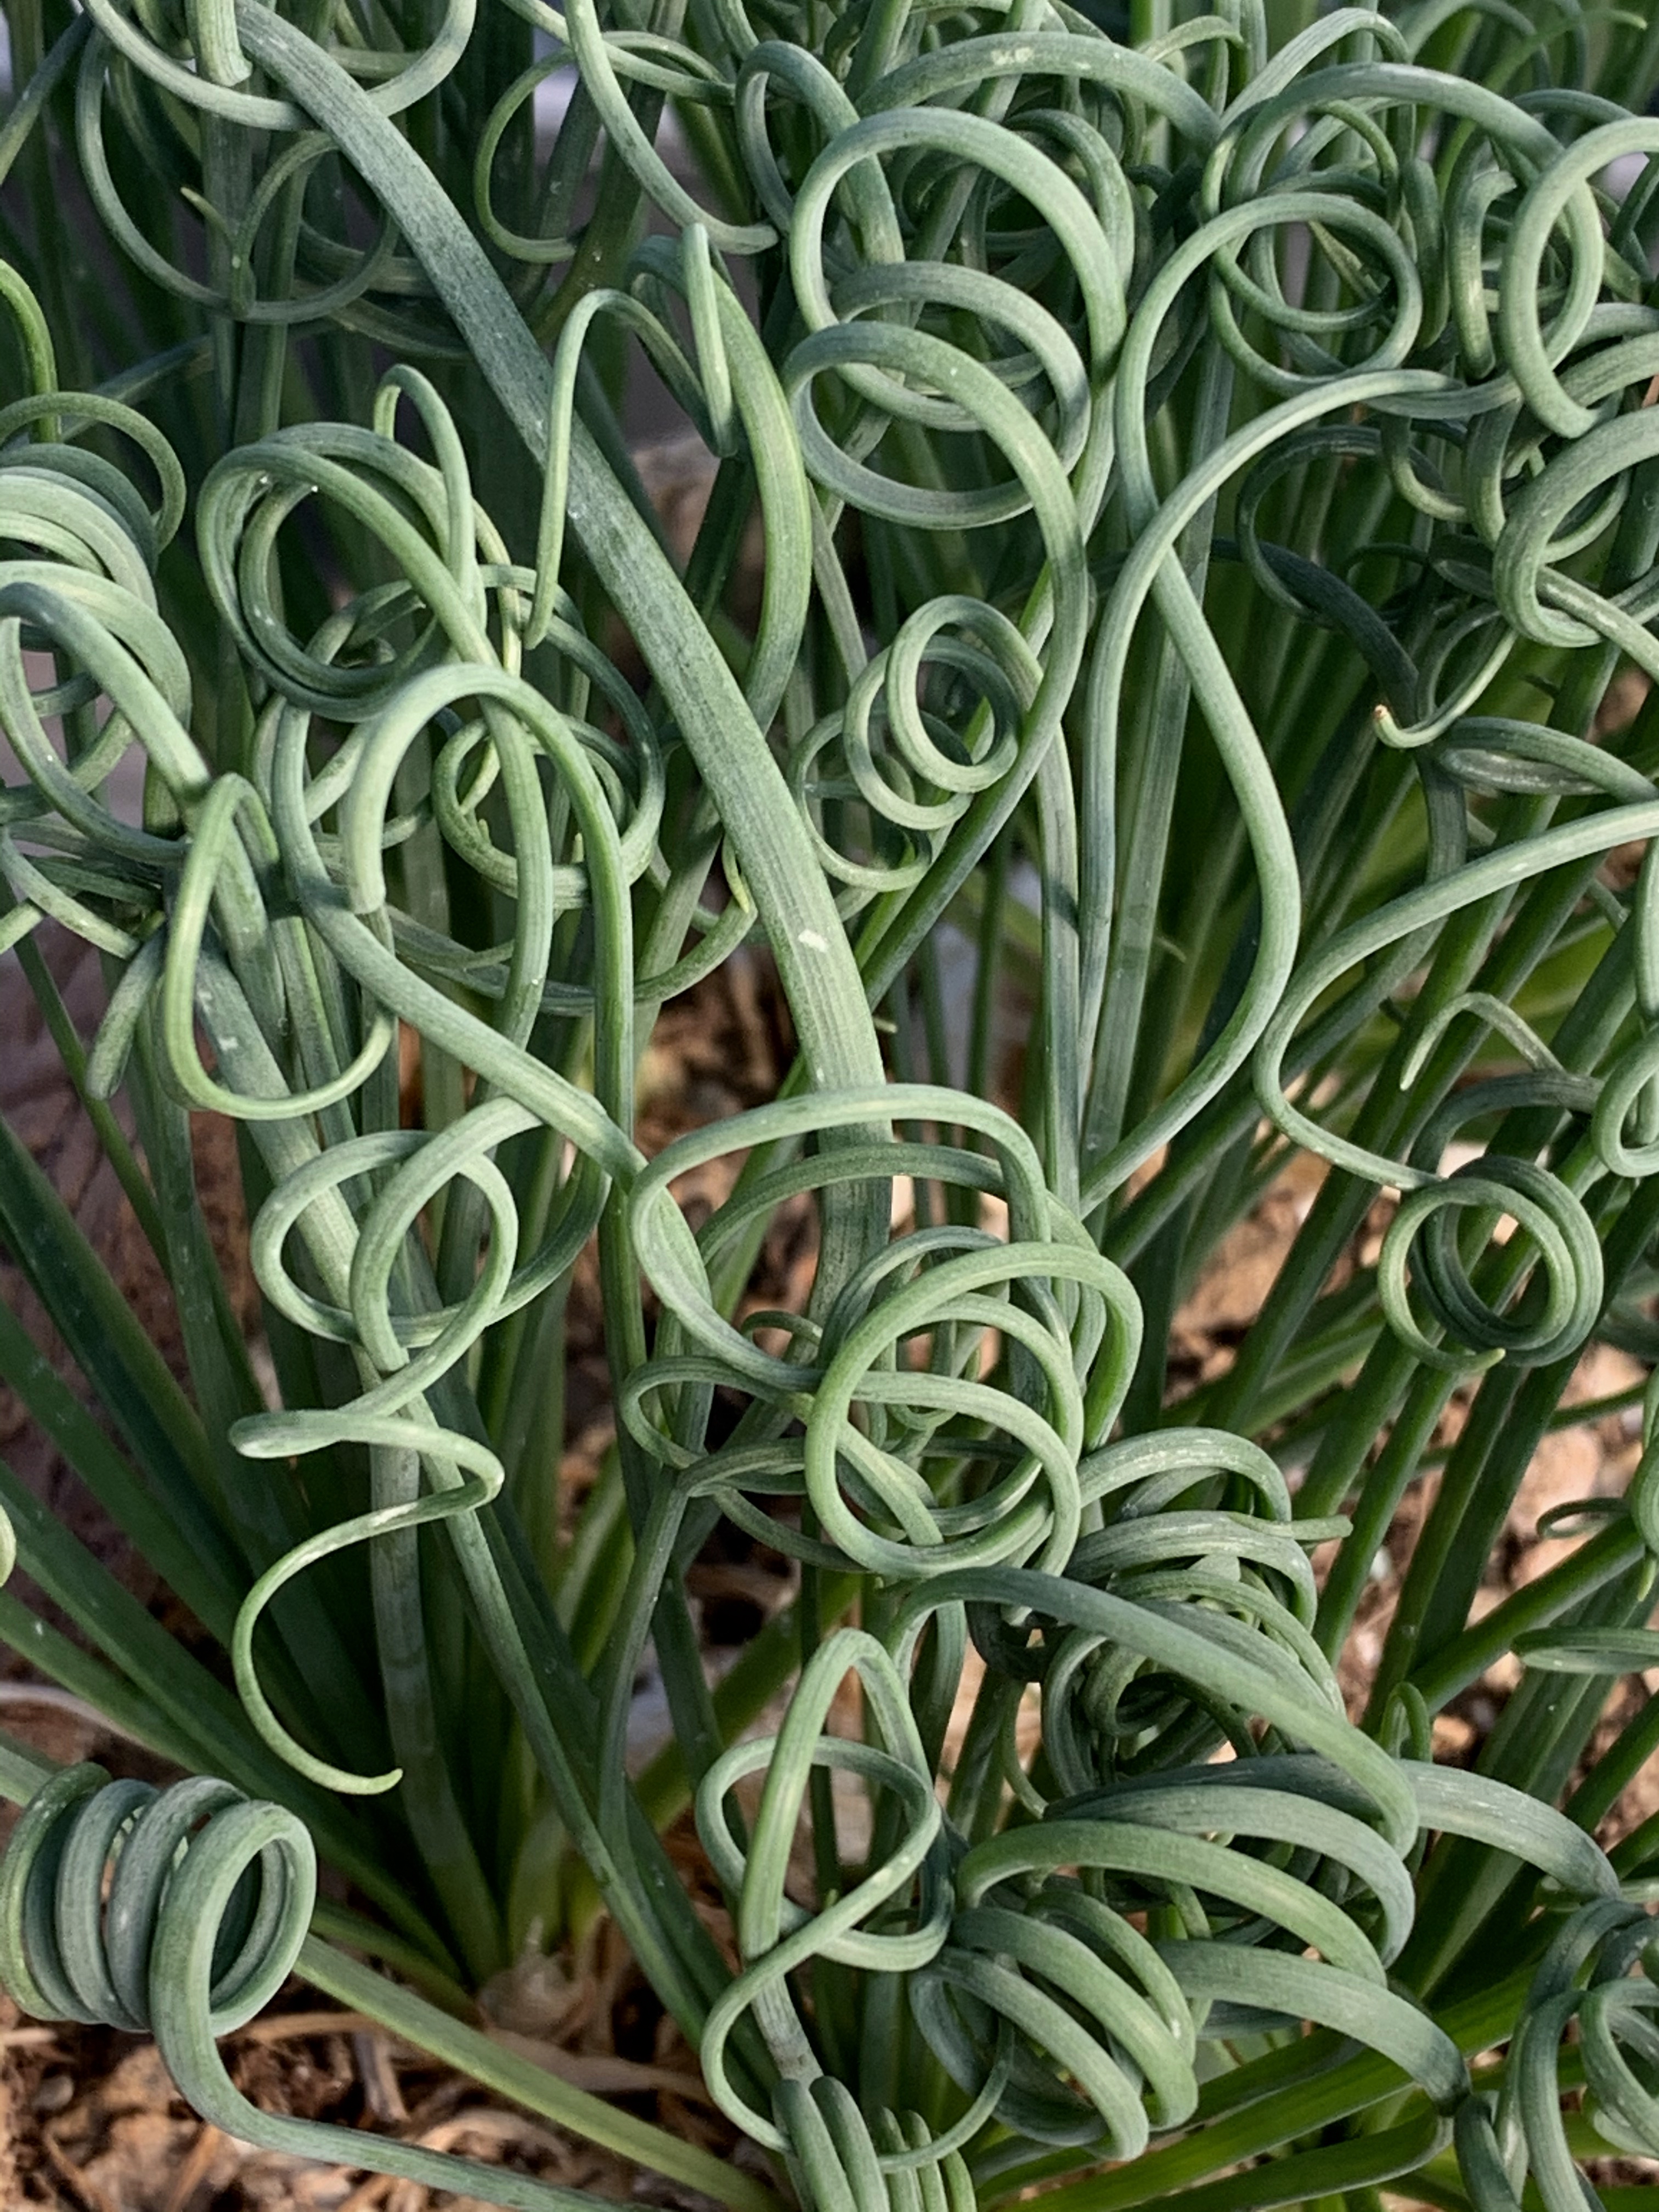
x,y
294,2027
195,2167
381,2091
27,2039
87,2190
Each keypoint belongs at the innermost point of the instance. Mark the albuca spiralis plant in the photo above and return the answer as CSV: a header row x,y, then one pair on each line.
x,y
1207,487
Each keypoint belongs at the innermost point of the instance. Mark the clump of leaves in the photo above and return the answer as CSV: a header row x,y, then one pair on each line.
x,y
1207,489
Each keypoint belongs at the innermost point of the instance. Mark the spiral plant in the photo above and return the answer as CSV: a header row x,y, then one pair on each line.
x,y
1208,486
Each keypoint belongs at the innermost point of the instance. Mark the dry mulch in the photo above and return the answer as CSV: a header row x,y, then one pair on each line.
x,y
89,2119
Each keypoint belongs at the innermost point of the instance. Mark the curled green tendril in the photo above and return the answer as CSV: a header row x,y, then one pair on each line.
x,y
1056,339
